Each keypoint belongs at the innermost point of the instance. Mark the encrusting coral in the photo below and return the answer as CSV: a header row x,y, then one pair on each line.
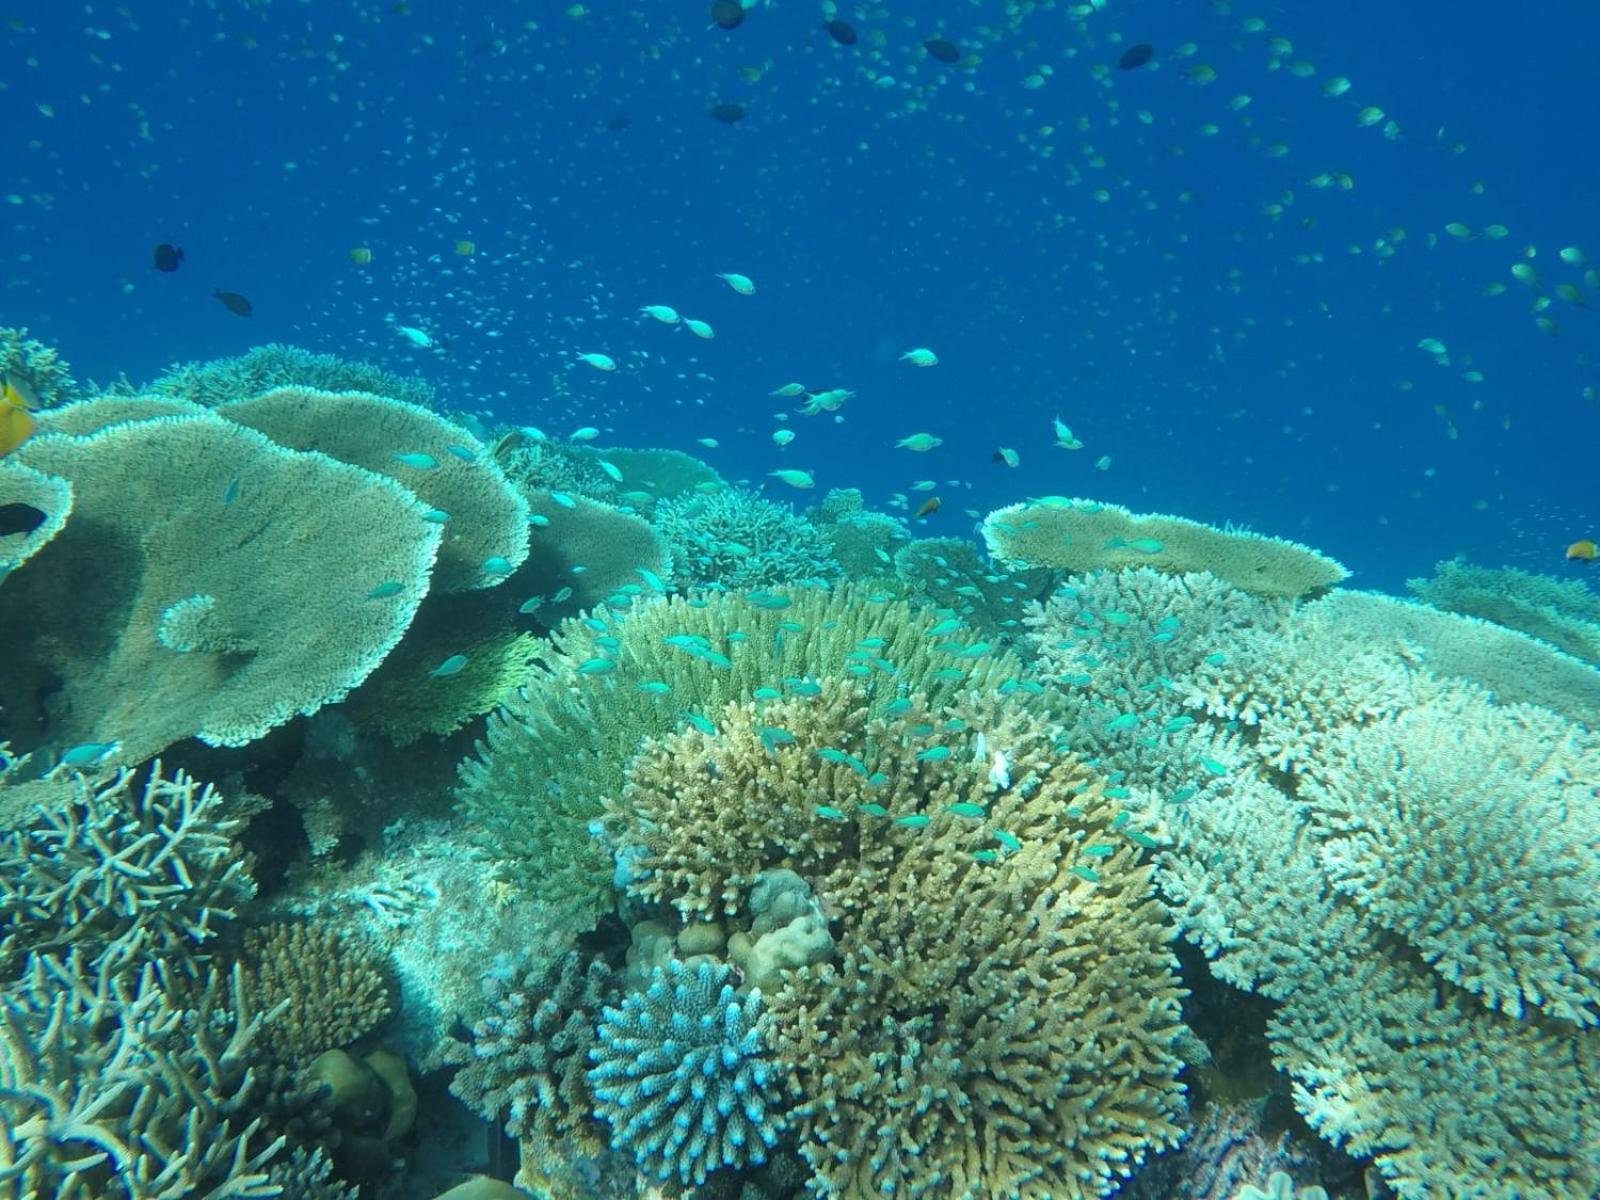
x,y
604,685
999,1013
306,571
47,494
1086,535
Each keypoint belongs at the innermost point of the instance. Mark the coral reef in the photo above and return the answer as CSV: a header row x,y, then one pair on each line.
x,y
110,1087
735,538
327,990
307,573
1563,612
49,495
684,1074
999,1015
122,873
526,1066
37,367
585,554
271,366
602,687
948,574
1085,535
484,519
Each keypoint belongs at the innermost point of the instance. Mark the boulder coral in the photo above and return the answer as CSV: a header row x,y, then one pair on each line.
x,y
281,579
999,1013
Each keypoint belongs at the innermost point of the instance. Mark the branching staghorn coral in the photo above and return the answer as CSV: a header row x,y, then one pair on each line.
x,y
605,685
111,1087
122,873
685,1076
271,366
734,538
306,573
526,1067
327,990
999,1015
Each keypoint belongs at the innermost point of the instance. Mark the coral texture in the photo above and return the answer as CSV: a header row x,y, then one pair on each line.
x,y
562,744
685,1076
313,569
484,518
999,1013
120,873
111,1088
526,1066
263,368
327,990
735,539
1563,612
1085,535
37,367
49,495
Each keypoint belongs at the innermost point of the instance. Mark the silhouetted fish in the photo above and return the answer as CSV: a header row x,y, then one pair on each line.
x,y
1136,56
167,257
20,518
944,51
619,122
728,114
238,305
727,14
842,32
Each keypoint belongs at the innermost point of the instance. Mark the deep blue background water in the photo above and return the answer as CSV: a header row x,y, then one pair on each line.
x,y
1081,248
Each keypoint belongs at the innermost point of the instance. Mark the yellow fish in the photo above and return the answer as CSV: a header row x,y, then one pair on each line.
x,y
17,403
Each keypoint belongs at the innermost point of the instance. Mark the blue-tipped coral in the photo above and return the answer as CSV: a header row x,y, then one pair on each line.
x,y
684,1074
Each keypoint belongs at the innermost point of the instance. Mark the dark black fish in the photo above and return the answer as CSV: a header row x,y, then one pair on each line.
x,y
728,114
238,305
619,122
167,257
1136,56
727,14
842,32
20,518
944,51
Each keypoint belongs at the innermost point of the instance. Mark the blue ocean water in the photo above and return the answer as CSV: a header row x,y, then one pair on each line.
x,y
1145,255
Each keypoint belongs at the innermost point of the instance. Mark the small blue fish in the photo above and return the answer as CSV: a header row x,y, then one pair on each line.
x,y
531,604
89,754
231,492
899,707
944,627
915,821
538,520
1213,767
596,666
450,666
563,499
436,516
1007,840
417,460
933,754
390,587
873,810
963,808
829,813
985,856
1087,873
461,452
596,624
701,723
1125,721
653,580
561,594
766,693
497,564
654,687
